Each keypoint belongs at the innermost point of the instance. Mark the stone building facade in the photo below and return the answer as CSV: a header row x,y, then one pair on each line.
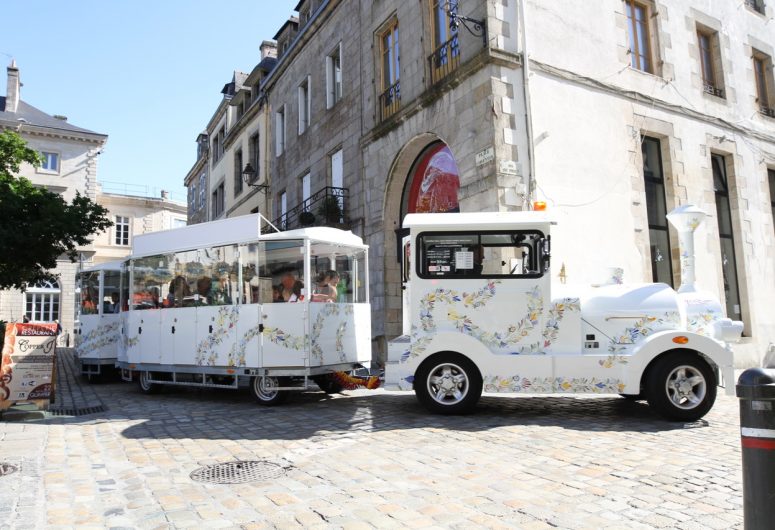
x,y
70,165
623,110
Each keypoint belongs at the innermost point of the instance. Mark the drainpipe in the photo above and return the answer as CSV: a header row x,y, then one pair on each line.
x,y
685,219
530,185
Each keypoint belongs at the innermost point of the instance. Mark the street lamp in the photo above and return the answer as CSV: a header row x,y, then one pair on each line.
x,y
249,176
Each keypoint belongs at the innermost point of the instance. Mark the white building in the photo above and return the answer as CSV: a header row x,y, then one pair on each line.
x,y
69,166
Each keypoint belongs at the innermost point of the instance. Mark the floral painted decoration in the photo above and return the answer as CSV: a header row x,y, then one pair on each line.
x,y
552,327
548,385
225,321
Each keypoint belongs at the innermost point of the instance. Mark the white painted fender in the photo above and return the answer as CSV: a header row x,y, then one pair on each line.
x,y
663,341
465,345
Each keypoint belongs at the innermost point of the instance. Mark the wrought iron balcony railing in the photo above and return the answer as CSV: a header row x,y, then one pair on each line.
x,y
325,207
390,101
445,59
713,90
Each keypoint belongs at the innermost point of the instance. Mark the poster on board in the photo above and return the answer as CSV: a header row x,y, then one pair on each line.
x,y
27,367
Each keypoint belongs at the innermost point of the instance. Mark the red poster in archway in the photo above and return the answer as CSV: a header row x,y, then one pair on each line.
x,y
435,183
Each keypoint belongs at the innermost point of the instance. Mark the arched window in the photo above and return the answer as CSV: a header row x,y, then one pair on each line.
x,y
42,301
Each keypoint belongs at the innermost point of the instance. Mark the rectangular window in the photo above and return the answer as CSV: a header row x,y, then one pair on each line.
x,y
762,67
216,148
446,46
202,190
218,201
279,137
192,197
334,77
306,191
282,206
305,105
50,161
638,26
510,254
710,61
122,231
771,178
656,208
390,98
238,172
726,236
756,5
254,153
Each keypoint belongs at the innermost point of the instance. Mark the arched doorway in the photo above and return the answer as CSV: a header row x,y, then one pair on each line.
x,y
433,182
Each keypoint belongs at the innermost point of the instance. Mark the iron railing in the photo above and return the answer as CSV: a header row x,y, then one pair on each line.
x,y
713,90
445,59
326,207
390,101
767,111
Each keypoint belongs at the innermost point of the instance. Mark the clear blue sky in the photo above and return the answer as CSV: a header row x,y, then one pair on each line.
x,y
147,73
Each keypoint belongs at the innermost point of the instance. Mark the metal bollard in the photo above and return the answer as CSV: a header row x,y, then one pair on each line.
x,y
756,390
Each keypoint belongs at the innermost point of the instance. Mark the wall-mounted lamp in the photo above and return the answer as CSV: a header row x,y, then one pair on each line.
x,y
249,176
479,28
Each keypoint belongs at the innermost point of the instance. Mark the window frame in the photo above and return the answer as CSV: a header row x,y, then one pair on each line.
x,y
218,200
389,98
542,260
50,295
305,104
280,128
651,183
710,61
763,82
334,86
633,38
45,159
238,183
117,232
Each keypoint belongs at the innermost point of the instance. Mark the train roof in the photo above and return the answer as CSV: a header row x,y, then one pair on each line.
x,y
105,266
479,221
232,231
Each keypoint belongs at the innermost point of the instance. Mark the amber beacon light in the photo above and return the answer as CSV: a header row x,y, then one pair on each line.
x,y
680,339
539,206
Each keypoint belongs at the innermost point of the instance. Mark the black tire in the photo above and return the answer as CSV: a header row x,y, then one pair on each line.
x,y
146,387
681,386
328,384
264,390
448,383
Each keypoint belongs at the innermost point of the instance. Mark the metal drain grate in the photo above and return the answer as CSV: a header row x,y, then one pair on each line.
x,y
7,469
238,472
78,412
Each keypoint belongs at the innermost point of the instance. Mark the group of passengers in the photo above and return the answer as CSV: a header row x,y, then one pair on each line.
x,y
290,288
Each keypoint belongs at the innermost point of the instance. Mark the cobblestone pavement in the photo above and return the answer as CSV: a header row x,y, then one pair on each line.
x,y
368,459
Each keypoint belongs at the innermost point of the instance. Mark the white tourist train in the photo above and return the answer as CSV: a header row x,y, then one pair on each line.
x,y
97,324
220,304
484,316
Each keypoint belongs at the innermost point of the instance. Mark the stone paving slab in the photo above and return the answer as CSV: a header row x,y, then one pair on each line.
x,y
373,459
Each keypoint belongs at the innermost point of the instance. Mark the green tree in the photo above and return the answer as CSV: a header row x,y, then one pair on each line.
x,y
36,225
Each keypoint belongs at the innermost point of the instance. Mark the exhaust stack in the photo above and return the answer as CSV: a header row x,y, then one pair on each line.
x,y
686,219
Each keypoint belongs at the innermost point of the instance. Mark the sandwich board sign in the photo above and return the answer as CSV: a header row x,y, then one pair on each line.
x,y
27,368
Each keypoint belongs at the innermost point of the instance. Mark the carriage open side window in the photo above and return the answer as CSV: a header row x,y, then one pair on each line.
x,y
464,255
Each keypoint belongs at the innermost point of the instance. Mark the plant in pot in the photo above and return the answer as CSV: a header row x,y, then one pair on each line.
x,y
331,210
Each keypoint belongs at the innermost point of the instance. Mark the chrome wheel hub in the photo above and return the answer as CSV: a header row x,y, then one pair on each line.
x,y
447,384
686,387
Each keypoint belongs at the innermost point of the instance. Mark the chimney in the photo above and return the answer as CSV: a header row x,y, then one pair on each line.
x,y
686,219
165,195
268,49
12,92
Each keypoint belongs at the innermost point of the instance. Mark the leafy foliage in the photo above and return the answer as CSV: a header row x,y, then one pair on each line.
x,y
36,225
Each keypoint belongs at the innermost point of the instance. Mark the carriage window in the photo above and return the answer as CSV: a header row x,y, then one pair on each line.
x,y
90,292
110,292
272,271
483,255
339,273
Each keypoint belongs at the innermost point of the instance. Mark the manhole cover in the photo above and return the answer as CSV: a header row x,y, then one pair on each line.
x,y
238,472
7,469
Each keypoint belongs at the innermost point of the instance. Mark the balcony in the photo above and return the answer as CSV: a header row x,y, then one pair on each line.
x,y
326,207
390,101
767,111
444,60
713,90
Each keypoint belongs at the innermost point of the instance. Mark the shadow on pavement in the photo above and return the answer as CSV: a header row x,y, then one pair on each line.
x,y
180,412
